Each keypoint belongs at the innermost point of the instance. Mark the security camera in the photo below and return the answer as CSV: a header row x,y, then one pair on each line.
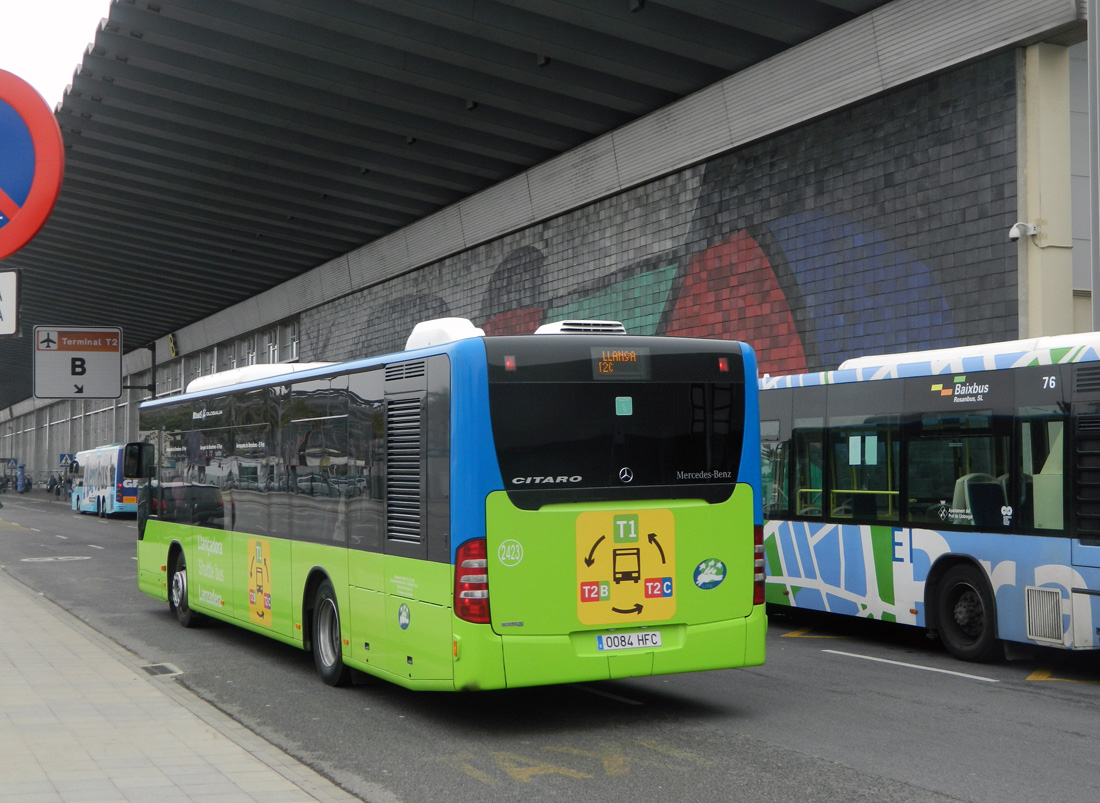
x,y
1021,230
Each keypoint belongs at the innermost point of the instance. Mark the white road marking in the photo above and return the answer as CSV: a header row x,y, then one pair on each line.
x,y
913,666
58,558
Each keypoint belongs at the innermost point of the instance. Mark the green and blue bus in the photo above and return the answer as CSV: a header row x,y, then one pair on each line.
x,y
475,512
955,490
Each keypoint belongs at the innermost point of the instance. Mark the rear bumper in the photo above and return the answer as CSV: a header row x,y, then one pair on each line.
x,y
539,660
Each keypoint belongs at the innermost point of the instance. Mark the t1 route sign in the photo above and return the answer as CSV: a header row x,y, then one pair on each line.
x,y
32,164
77,363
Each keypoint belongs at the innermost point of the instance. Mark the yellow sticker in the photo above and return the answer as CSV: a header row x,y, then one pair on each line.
x,y
626,562
259,582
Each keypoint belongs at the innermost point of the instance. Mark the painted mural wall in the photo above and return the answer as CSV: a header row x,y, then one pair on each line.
x,y
880,228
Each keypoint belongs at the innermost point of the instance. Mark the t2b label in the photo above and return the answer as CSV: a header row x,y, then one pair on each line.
x,y
595,592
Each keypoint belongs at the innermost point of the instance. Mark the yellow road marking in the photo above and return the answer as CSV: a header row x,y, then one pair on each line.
x,y
1047,674
802,634
614,760
523,769
461,762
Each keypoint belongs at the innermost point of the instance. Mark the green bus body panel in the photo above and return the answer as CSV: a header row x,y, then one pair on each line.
x,y
376,595
541,587
539,660
882,546
152,555
540,559
251,579
365,569
479,663
397,621
402,633
367,651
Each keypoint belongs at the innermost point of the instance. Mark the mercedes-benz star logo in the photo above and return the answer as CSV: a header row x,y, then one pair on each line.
x,y
626,475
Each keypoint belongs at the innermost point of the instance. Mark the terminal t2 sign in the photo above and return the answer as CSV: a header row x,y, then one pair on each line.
x,y
77,363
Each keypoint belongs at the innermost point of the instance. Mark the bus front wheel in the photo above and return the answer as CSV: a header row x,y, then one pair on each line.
x,y
966,614
177,593
326,637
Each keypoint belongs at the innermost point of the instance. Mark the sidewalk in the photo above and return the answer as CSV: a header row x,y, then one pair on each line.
x,y
81,720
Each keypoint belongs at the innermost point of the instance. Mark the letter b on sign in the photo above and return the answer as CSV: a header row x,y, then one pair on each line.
x,y
79,368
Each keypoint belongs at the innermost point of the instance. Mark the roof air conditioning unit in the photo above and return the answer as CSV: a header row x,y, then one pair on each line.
x,y
440,331
582,328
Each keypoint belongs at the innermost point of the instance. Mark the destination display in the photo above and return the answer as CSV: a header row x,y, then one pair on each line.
x,y
615,362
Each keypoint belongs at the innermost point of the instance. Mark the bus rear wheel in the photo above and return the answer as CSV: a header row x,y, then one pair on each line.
x,y
966,615
177,593
326,637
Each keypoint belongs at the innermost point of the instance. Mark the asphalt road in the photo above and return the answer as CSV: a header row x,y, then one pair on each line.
x,y
841,711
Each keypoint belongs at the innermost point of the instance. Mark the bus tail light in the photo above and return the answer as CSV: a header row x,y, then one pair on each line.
x,y
118,493
472,582
758,576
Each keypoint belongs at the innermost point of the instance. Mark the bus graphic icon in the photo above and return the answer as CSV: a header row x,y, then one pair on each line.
x,y
626,565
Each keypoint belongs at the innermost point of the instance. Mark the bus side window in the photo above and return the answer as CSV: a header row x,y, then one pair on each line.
x,y
1041,489
809,475
958,472
864,473
773,471
931,479
365,519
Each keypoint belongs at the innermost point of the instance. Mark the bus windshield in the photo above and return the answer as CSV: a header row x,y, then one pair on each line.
x,y
676,421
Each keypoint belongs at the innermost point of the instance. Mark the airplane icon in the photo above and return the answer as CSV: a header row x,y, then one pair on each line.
x,y
48,342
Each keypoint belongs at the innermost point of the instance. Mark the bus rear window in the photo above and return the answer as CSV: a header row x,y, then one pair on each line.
x,y
606,435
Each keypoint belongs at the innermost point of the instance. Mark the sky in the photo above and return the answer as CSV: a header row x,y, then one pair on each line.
x,y
43,41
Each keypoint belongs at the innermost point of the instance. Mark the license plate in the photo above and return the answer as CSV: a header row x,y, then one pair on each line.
x,y
644,639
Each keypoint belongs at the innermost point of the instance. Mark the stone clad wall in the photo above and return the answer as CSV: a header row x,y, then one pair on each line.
x,y
878,228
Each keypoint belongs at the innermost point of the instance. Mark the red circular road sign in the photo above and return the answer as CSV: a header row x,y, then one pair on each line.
x,y
33,163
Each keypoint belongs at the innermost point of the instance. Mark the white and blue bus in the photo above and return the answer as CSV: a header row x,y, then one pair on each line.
x,y
956,490
105,479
